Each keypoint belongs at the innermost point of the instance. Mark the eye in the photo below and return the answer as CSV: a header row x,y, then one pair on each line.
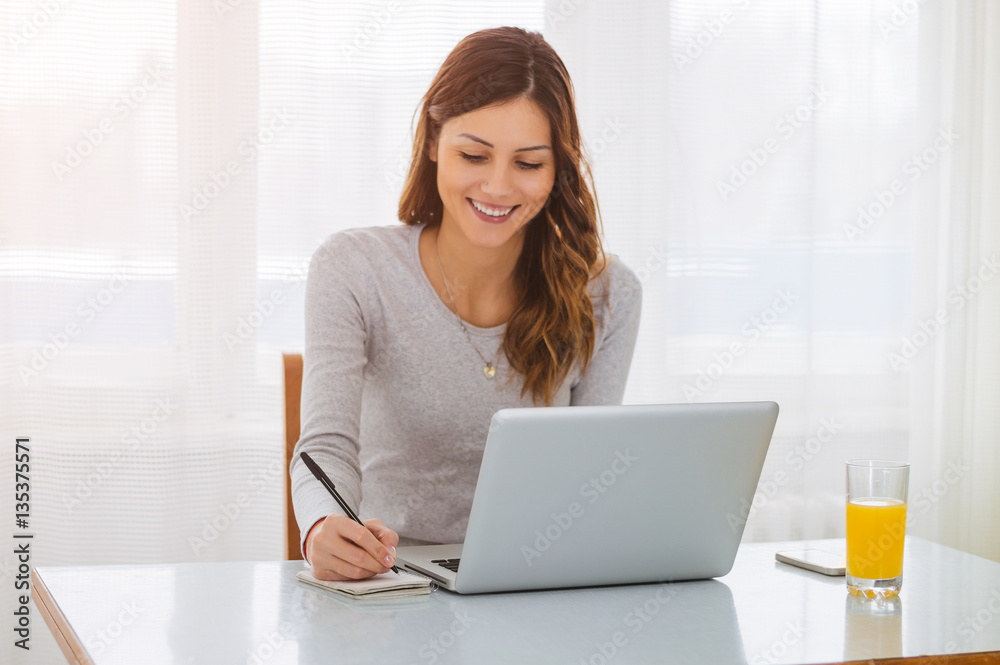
x,y
476,159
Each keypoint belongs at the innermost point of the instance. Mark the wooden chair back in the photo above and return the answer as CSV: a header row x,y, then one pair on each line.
x,y
293,400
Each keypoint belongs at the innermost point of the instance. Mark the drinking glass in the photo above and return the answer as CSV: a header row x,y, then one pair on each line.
x,y
876,526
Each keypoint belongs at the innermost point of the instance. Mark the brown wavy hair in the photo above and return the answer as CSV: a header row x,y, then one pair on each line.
x,y
552,326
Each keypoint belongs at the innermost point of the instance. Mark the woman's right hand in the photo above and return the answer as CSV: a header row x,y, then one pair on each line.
x,y
338,548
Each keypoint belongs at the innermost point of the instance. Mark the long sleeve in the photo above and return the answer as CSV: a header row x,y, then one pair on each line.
x,y
334,363
605,378
393,391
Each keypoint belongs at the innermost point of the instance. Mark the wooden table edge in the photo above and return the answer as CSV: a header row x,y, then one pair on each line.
x,y
975,658
65,637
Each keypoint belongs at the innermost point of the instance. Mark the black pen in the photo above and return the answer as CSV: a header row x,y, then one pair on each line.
x,y
328,484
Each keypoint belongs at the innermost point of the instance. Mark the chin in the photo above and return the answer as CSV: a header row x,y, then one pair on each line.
x,y
491,237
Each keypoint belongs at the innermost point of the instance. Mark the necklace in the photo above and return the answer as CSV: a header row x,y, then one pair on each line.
x,y
489,371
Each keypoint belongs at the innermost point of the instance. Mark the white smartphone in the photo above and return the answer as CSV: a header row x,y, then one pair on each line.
x,y
818,561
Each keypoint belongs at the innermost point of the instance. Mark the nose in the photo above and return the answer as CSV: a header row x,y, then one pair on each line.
x,y
497,183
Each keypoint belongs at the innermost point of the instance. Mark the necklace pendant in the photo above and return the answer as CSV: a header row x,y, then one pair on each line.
x,y
490,371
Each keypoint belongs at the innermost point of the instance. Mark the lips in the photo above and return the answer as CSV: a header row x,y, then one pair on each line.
x,y
490,219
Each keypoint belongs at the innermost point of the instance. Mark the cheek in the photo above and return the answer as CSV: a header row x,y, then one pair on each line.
x,y
542,189
456,178
448,182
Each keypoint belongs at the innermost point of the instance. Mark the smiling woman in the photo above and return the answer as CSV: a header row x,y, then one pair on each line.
x,y
499,123
520,184
494,293
489,194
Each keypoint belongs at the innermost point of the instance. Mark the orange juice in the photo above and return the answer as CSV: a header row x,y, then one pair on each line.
x,y
875,530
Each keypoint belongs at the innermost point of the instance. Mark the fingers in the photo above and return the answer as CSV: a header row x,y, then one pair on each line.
x,y
341,549
370,541
386,536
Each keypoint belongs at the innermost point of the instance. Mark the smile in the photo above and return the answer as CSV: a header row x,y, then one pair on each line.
x,y
492,212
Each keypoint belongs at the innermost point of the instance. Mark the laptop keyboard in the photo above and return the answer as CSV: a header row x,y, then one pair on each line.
x,y
450,564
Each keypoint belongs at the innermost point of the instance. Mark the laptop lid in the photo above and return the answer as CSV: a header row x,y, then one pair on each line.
x,y
597,495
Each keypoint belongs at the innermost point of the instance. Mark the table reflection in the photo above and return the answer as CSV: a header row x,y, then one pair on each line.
x,y
873,628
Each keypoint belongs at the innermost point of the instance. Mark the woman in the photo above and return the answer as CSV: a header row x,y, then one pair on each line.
x,y
494,293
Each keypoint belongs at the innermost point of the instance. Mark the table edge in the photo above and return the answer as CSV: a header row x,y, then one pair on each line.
x,y
973,658
67,639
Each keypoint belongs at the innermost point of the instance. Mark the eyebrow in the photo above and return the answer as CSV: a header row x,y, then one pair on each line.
x,y
479,140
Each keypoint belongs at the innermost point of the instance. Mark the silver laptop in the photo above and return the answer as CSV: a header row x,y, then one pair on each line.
x,y
599,495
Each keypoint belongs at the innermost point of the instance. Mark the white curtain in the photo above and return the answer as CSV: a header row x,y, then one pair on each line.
x,y
955,386
803,188
807,190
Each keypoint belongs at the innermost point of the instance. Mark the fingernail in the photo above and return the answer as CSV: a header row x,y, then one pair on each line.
x,y
393,551
388,560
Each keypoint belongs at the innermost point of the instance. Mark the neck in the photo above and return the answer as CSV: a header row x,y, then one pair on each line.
x,y
476,274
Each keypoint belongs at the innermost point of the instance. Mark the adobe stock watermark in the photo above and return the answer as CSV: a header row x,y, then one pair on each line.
x,y
567,179
711,30
263,309
913,168
59,340
223,7
305,602
30,27
796,459
121,108
434,648
561,13
784,129
779,649
249,148
395,177
226,514
655,262
105,637
724,361
926,498
563,184
863,565
610,132
270,644
927,329
970,626
592,490
131,439
899,16
373,27
635,620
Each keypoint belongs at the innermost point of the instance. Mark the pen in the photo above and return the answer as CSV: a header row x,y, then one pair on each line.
x,y
328,484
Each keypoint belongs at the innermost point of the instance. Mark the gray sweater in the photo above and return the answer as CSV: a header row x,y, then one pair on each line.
x,y
395,405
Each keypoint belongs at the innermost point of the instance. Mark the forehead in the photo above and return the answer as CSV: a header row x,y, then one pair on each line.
x,y
520,122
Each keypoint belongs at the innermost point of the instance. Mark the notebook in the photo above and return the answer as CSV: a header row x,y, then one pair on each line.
x,y
385,585
599,495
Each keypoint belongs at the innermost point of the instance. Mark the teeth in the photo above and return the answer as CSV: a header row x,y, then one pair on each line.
x,y
491,212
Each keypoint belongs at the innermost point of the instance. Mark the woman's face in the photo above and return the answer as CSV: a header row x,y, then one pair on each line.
x,y
499,158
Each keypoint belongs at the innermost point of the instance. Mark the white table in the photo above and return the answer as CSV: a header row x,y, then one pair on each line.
x,y
762,612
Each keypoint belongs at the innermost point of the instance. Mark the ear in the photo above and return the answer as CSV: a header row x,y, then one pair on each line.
x,y
432,150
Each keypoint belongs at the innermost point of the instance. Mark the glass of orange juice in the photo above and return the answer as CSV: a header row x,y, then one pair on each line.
x,y
876,525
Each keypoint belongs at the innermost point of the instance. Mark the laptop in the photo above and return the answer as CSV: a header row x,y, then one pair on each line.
x,y
602,495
